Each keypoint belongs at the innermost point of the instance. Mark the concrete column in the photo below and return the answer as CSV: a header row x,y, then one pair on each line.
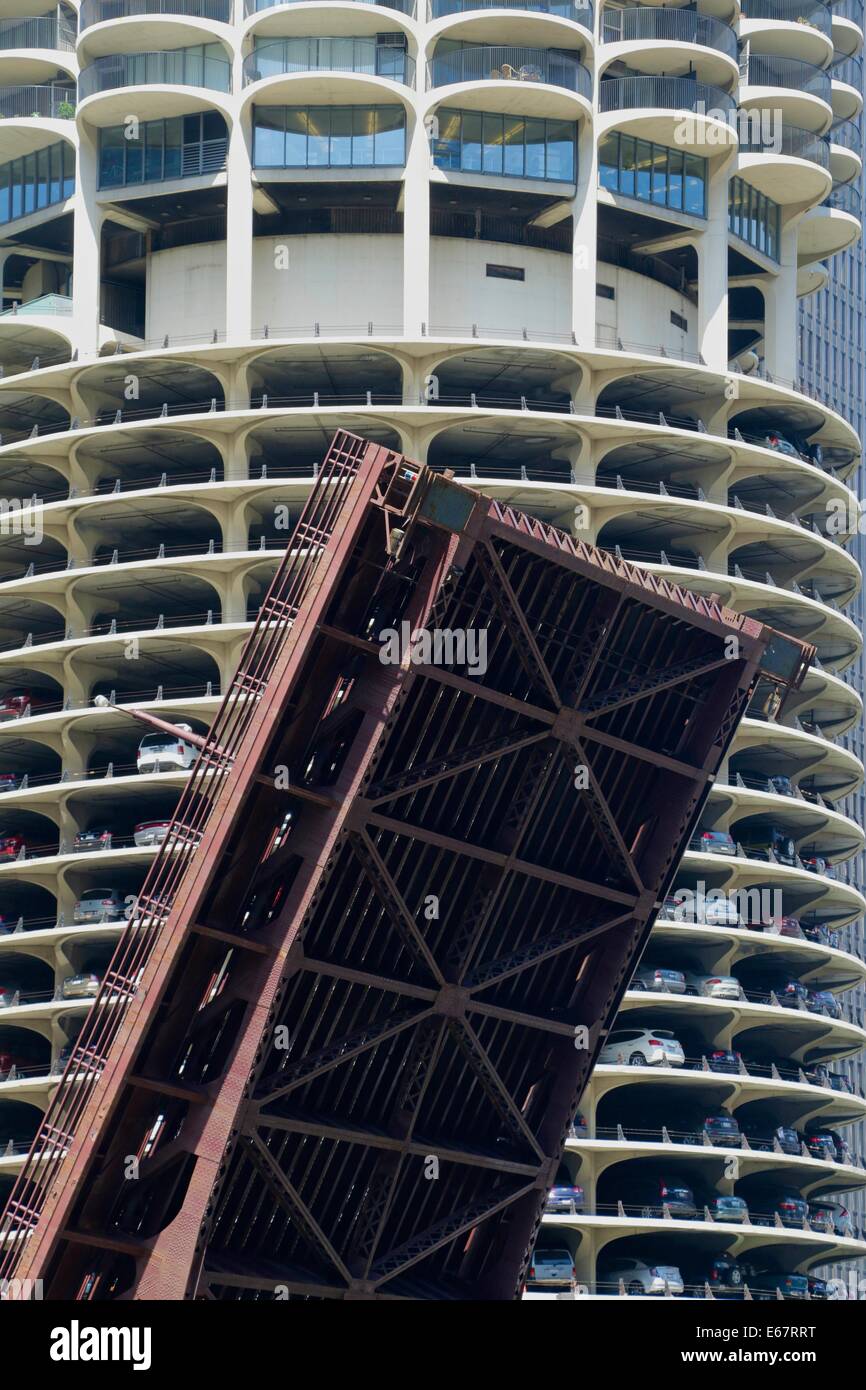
x,y
585,238
712,249
239,227
416,231
88,220
780,312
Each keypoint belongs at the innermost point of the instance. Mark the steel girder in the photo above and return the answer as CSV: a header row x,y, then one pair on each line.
x,y
347,1030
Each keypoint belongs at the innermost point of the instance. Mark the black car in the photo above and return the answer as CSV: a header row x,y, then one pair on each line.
x,y
822,1001
818,1288
791,1209
765,1136
723,1275
828,1144
790,993
696,1126
653,1196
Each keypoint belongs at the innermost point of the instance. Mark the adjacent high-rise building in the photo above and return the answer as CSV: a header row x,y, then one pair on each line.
x,y
556,248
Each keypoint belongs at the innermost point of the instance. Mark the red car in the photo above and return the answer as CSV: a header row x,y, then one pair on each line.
x,y
11,846
13,705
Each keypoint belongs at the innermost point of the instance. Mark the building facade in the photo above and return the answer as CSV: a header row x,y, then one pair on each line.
x,y
555,249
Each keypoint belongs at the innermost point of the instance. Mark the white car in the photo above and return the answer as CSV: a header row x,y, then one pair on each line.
x,y
640,1278
98,905
714,986
658,980
162,753
84,986
150,832
721,912
642,1047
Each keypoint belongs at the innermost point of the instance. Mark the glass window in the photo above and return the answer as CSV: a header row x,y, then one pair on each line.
x,y
643,170
660,174
172,133
608,162
364,135
112,148
318,137
471,152
30,183
493,135
447,140
269,144
153,150
42,171
560,151
68,169
696,173
17,174
295,138
5,201
341,138
676,165
390,136
514,147
628,165
56,185
535,143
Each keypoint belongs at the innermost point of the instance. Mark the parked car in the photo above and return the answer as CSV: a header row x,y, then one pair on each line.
x,y
765,1284
781,445
724,1061
655,1195
8,993
580,1127
9,781
722,1273
640,1278
821,1075
13,704
642,1047
713,986
97,838
718,1128
822,1001
658,980
828,1144
782,786
163,753
83,986
11,846
830,1216
816,863
150,832
713,842
783,845
784,926
814,931
564,1199
98,905
790,993
15,1057
764,1137
553,1266
724,1207
721,912
791,1209
818,1288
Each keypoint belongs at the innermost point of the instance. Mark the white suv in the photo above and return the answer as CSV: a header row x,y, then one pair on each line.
x,y
642,1047
163,753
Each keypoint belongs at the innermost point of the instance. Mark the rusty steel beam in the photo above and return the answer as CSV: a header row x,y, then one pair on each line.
x,y
349,1024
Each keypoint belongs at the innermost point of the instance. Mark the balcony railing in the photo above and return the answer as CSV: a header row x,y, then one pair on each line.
x,y
847,134
787,140
99,11
560,9
45,304
257,6
40,31
510,64
664,93
846,198
53,102
285,56
811,13
648,24
770,70
174,68
850,70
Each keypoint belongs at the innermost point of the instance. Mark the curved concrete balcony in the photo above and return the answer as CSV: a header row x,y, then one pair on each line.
x,y
32,118
656,40
846,154
39,329
535,23
326,69
33,48
43,103
830,896
337,18
521,81
404,7
759,1082
131,26
832,227
792,167
738,1021
791,28
848,34
672,110
166,84
800,91
847,88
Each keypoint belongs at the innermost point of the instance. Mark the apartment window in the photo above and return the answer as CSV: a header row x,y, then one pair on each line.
x,y
178,147
605,292
679,322
653,173
329,137
382,56
514,147
36,181
506,272
754,218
